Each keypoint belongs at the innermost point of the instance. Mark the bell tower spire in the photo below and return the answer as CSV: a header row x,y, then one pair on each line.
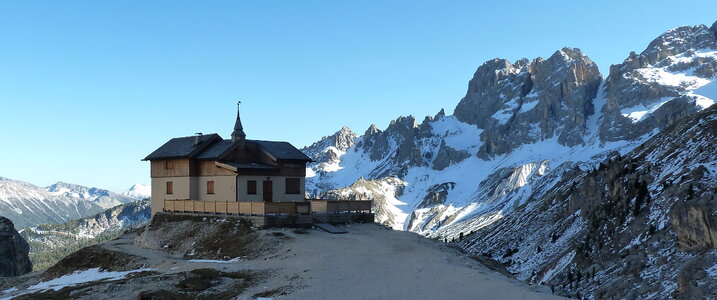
x,y
238,135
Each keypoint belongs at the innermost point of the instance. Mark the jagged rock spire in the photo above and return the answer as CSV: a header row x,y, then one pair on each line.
x,y
238,134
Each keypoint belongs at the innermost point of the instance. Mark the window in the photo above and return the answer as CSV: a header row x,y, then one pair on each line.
x,y
170,188
293,186
251,187
168,164
210,187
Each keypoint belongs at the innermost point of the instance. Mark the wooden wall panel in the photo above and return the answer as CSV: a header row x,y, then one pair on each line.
x,y
180,167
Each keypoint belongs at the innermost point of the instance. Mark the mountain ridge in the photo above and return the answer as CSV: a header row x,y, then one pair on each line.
x,y
28,205
510,100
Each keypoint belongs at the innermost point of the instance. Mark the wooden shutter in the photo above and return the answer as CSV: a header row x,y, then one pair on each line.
x,y
251,187
210,187
170,188
293,186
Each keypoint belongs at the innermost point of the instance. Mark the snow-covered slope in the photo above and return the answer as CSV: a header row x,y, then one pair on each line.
x,y
640,225
519,127
28,205
139,191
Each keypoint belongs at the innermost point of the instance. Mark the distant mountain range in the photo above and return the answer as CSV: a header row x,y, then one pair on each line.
x,y
27,205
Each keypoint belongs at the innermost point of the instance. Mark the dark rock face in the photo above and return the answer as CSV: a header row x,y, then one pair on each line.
x,y
401,132
14,260
448,156
637,81
694,224
437,194
524,102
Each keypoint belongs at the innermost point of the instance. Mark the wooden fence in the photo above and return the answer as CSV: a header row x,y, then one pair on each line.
x,y
338,206
267,208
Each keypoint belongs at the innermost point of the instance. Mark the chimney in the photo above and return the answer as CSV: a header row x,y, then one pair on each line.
x,y
196,138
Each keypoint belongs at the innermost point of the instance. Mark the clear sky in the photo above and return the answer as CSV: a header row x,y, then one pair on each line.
x,y
87,89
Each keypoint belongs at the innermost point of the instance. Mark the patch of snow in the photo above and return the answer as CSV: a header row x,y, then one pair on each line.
x,y
712,271
664,77
706,94
638,113
79,277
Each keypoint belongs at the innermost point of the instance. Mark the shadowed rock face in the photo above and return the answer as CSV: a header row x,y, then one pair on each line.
x,y
447,156
524,102
14,260
695,227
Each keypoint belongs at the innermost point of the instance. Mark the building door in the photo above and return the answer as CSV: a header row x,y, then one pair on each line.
x,y
268,191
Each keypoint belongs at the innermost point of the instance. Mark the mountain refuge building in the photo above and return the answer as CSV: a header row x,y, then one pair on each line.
x,y
207,174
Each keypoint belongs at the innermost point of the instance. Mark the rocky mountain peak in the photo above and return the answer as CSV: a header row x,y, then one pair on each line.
x,y
329,148
650,90
342,139
372,130
526,101
678,41
440,114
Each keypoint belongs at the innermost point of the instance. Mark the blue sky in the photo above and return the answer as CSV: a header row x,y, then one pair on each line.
x,y
87,89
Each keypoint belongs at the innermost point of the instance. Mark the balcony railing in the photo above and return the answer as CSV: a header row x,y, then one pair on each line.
x,y
315,206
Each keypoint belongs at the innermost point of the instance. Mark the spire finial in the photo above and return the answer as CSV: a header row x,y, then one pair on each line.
x,y
238,134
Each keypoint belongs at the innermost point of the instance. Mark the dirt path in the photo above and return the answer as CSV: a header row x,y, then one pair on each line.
x,y
371,262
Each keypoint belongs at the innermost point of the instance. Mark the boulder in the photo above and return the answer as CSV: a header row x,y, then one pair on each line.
x,y
14,250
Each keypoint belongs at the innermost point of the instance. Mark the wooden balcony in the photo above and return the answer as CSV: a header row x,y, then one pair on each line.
x,y
314,206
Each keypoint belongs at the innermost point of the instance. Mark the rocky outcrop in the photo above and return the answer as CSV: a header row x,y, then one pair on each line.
x,y
14,260
524,102
448,156
437,194
659,81
695,224
400,132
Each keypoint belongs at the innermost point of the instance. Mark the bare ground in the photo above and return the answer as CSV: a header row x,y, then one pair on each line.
x,y
370,262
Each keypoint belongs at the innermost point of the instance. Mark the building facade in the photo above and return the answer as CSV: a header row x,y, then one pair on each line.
x,y
206,167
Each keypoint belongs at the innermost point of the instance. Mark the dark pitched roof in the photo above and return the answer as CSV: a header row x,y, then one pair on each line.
x,y
281,150
215,150
183,147
212,146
